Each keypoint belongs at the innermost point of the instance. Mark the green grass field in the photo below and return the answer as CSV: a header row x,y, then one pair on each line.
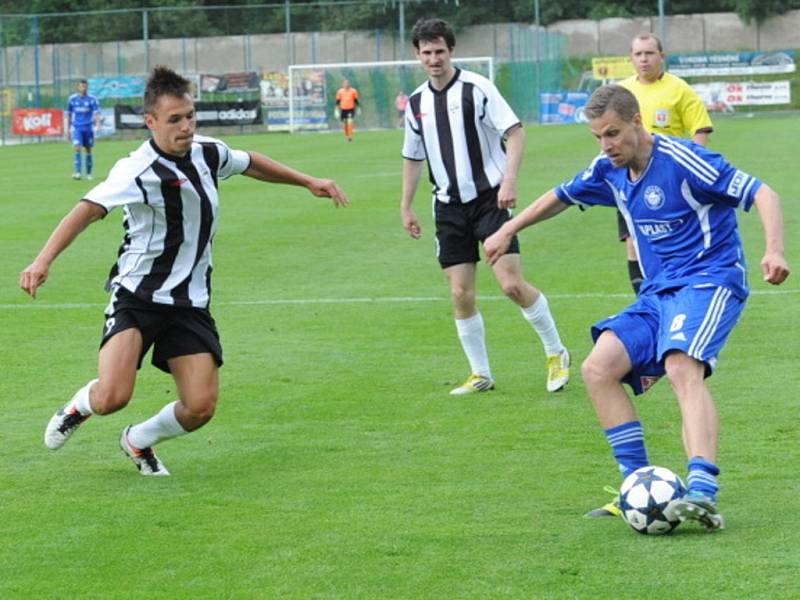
x,y
337,465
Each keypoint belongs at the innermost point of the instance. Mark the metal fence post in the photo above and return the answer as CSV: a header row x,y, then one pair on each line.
x,y
289,47
3,84
146,40
37,98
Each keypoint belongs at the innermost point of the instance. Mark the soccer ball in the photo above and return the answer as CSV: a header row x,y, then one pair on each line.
x,y
647,500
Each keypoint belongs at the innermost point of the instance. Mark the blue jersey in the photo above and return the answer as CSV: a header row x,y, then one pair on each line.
x,y
81,110
680,213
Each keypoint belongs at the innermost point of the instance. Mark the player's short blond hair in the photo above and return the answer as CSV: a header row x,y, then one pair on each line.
x,y
614,98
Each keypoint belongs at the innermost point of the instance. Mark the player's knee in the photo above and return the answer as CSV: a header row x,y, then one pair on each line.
x,y
514,290
683,370
462,296
202,407
595,371
106,399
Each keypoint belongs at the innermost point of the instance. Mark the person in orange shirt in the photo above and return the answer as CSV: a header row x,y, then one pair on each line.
x,y
346,106
400,103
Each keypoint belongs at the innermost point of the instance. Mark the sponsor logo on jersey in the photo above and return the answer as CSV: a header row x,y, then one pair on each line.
x,y
736,186
656,230
654,197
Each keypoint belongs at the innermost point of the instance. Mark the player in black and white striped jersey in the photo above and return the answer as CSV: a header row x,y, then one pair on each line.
x,y
162,279
473,143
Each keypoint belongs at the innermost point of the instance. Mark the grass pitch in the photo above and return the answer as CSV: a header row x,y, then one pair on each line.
x,y
337,465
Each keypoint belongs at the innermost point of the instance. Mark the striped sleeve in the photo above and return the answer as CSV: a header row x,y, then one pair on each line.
x,y
712,174
589,187
122,187
498,114
413,143
232,162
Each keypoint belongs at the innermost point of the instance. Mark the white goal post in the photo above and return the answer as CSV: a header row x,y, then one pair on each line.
x,y
312,90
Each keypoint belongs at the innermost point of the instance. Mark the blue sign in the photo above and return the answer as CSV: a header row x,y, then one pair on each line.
x,y
732,63
562,107
117,87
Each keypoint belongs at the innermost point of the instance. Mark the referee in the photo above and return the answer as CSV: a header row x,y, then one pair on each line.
x,y
473,143
161,282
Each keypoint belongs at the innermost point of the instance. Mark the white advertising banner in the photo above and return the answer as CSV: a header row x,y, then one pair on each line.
x,y
723,96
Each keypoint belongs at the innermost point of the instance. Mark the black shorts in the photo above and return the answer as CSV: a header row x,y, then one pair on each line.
x,y
171,330
461,226
347,113
622,228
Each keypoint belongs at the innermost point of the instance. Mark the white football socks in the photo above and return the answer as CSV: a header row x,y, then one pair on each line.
x,y
158,428
81,399
538,315
472,335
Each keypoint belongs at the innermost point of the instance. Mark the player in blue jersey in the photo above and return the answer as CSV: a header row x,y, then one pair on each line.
x,y
679,200
83,118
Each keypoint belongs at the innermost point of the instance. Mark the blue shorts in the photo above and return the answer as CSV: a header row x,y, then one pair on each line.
x,y
694,320
83,136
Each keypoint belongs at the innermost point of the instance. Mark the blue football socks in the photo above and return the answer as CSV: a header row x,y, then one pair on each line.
x,y
89,164
77,162
703,477
627,444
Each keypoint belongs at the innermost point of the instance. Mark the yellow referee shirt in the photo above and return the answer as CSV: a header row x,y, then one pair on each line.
x,y
670,106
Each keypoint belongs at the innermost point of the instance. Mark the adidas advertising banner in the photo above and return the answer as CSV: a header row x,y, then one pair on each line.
x,y
208,113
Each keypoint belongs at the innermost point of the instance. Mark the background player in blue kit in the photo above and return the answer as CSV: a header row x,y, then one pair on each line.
x,y
83,118
679,201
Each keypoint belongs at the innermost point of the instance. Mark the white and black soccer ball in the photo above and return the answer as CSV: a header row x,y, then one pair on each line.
x,y
647,500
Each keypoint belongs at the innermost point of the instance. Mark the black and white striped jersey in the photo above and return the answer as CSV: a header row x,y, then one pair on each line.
x,y
170,207
459,130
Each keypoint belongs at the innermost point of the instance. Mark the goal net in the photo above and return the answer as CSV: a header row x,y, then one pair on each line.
x,y
312,90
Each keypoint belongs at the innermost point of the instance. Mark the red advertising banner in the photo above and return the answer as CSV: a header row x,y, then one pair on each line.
x,y
38,121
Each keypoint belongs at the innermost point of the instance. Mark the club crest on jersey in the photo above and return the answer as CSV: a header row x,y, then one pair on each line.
x,y
654,197
662,117
454,108
648,381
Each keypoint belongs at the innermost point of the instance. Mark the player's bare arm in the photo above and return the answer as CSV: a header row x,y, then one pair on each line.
x,y
264,168
515,147
412,170
701,137
63,235
546,206
774,267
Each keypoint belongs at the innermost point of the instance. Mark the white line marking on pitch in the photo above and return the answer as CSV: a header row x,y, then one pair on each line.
x,y
362,300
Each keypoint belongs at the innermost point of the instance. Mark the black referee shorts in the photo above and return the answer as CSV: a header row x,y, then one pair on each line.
x,y
460,227
171,330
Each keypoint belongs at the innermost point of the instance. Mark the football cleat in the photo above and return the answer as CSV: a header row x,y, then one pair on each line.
x,y
89,176
610,509
557,371
695,506
76,176
144,458
474,383
62,425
